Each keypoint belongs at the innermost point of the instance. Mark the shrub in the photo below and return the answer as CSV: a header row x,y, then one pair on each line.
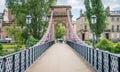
x,y
106,45
33,41
88,42
117,48
1,47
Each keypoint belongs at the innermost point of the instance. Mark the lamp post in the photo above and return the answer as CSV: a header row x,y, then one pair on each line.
x,y
93,20
28,21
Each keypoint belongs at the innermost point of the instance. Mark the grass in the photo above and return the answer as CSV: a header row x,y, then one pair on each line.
x,y
8,49
6,46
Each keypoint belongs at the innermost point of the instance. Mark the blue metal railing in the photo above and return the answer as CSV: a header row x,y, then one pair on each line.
x,y
102,61
20,61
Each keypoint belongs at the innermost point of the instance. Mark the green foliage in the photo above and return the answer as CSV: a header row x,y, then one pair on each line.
x,y
106,45
88,42
33,41
16,49
1,47
98,10
117,48
17,33
6,46
38,10
60,31
8,49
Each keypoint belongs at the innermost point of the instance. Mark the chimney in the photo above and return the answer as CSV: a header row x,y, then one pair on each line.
x,y
107,10
9,16
80,12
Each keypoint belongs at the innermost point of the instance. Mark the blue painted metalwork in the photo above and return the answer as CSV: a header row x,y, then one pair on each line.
x,y
102,61
20,61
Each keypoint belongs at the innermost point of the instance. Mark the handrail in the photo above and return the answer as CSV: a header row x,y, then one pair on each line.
x,y
20,61
102,61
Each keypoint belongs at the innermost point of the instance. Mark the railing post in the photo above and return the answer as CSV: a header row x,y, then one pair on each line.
x,y
13,63
102,62
4,62
32,55
109,62
97,59
28,57
25,60
119,64
20,62
93,57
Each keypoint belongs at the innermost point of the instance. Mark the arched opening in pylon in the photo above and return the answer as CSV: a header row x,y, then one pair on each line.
x,y
60,31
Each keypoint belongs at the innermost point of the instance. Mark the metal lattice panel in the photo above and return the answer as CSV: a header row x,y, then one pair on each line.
x,y
106,62
31,57
1,65
9,64
27,58
22,61
35,53
17,60
100,61
113,63
95,58
103,61
91,56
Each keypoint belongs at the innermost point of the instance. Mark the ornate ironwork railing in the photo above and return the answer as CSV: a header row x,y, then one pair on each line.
x,y
102,61
20,61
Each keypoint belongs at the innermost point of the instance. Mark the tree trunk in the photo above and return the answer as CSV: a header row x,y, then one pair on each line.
x,y
98,38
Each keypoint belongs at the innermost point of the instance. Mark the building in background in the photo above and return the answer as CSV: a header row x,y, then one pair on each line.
x,y
1,23
5,20
74,25
82,27
112,31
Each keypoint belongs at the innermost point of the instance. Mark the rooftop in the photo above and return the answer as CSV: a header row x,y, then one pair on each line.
x,y
61,6
114,12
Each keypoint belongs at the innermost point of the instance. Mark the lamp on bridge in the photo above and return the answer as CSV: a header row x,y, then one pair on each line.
x,y
93,20
28,22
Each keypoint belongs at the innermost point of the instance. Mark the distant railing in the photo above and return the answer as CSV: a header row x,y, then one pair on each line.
x,y
20,61
102,61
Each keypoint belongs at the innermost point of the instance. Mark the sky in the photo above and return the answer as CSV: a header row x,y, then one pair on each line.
x,y
77,5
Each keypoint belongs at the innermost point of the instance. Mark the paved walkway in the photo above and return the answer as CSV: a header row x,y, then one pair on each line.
x,y
60,58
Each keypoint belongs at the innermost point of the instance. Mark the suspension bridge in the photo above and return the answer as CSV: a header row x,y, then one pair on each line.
x,y
71,56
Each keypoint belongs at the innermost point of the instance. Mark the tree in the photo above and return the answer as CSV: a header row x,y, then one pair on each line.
x,y
59,31
18,34
98,10
38,10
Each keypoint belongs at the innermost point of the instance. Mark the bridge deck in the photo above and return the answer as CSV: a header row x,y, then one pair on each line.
x,y
60,58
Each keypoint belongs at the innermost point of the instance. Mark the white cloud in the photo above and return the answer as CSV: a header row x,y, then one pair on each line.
x,y
112,3
79,4
2,5
76,4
